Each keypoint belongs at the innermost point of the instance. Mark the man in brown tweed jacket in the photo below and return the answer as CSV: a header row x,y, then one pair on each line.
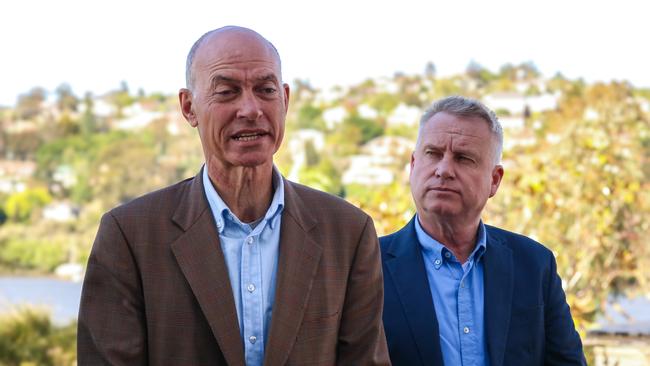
x,y
236,265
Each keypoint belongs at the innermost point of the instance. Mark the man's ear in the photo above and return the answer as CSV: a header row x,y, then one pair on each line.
x,y
497,176
185,99
285,87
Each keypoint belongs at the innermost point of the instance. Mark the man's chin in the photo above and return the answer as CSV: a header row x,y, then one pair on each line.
x,y
443,211
254,162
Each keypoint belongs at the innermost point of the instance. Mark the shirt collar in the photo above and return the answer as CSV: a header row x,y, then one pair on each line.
x,y
429,244
222,212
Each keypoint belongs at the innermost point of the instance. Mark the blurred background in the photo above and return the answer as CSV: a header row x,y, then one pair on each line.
x,y
89,119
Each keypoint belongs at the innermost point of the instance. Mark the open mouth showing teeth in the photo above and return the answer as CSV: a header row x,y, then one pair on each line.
x,y
248,136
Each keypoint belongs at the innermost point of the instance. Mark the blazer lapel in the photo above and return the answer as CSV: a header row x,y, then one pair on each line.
x,y
498,280
198,253
406,270
297,265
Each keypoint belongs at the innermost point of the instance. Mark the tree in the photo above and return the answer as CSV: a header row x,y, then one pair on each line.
x,y
29,105
21,205
430,70
66,100
584,192
28,337
369,128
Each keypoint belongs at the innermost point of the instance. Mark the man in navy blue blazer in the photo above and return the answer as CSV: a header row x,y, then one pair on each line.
x,y
457,291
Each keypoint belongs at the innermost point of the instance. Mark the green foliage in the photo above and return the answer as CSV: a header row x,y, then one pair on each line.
x,y
384,102
576,176
403,130
32,254
28,337
323,176
121,98
19,206
123,170
369,129
390,206
310,117
583,190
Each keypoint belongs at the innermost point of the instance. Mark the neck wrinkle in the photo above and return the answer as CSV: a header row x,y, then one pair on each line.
x,y
247,191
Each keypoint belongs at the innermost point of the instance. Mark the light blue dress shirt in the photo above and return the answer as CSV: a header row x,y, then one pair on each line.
x,y
457,291
251,253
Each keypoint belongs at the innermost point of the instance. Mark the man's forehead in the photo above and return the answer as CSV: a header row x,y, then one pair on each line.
x,y
448,124
442,131
235,44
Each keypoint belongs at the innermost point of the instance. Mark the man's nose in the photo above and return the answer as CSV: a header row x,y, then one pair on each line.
x,y
249,107
445,168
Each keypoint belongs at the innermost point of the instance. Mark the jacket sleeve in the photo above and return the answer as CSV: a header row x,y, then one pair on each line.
x,y
361,335
562,345
111,328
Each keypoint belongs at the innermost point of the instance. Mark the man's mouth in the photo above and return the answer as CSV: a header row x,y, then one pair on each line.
x,y
250,136
443,189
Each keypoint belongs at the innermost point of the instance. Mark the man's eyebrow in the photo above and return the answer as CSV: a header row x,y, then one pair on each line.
x,y
221,79
266,77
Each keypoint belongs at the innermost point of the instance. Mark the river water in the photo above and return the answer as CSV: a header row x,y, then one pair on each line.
x,y
60,297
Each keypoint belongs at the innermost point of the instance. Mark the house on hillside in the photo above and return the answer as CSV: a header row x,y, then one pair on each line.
x,y
334,116
298,147
382,159
136,117
14,174
517,104
60,212
405,115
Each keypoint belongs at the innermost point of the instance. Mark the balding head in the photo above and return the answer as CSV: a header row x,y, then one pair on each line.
x,y
227,35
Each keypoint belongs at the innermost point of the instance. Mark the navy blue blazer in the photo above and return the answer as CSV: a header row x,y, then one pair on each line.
x,y
527,319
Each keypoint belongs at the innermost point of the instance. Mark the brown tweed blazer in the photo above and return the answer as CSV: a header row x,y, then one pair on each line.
x,y
157,291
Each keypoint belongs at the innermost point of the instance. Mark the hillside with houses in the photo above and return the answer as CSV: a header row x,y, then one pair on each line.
x,y
576,156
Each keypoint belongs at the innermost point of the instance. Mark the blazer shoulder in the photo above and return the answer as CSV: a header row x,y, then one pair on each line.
x,y
162,200
521,245
384,241
390,242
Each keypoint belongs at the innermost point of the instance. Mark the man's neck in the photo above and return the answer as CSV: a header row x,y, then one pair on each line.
x,y
247,191
456,235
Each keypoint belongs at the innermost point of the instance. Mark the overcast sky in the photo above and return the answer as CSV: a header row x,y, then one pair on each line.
x,y
94,44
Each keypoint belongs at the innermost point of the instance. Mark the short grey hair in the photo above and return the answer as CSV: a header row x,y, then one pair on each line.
x,y
467,107
189,70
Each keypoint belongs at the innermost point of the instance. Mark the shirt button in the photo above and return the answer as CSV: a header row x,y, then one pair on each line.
x,y
466,330
462,284
436,262
252,339
447,255
250,240
219,223
251,287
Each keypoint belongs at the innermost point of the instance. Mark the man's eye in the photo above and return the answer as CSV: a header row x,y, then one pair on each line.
x,y
430,152
267,90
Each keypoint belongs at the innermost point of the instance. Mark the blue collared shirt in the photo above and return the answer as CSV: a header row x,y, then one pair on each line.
x,y
457,291
251,253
